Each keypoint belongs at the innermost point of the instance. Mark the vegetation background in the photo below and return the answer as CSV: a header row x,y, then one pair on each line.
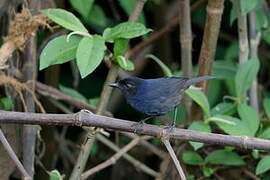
x,y
58,56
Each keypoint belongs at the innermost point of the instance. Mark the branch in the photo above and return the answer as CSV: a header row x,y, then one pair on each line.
x,y
112,160
84,118
30,73
186,46
242,34
54,93
13,156
210,37
254,43
136,163
167,144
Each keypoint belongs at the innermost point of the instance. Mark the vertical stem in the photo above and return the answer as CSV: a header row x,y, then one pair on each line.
x,y
254,42
104,99
186,45
29,71
210,37
242,34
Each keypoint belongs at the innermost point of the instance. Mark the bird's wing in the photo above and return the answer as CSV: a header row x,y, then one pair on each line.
x,y
163,96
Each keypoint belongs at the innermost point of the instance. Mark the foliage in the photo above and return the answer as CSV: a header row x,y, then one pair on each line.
x,y
89,50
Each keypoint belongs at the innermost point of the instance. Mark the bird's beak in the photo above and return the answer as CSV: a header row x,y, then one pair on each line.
x,y
115,85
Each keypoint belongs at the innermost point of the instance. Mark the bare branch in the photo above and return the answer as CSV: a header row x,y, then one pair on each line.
x,y
167,144
84,118
136,163
54,93
13,156
112,160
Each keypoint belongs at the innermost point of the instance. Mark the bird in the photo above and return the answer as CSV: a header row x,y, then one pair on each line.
x,y
155,97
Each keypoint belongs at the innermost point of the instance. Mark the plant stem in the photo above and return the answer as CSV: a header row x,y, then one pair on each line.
x,y
242,34
254,43
186,45
210,37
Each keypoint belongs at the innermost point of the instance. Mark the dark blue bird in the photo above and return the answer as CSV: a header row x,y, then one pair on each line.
x,y
155,97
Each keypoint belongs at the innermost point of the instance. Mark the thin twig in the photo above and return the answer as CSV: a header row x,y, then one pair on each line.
x,y
250,174
54,93
112,160
167,144
13,156
136,163
84,118
160,153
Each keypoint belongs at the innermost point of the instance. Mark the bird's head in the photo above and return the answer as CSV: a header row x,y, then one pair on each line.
x,y
128,86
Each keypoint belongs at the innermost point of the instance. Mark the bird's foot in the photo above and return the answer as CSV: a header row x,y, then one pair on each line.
x,y
169,128
138,126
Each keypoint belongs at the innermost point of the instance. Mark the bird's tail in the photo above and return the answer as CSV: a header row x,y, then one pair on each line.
x,y
198,79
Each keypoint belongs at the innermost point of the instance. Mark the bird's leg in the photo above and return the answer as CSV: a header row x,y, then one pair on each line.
x,y
139,124
170,128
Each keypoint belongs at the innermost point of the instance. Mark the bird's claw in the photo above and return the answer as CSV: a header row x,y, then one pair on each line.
x,y
137,126
169,128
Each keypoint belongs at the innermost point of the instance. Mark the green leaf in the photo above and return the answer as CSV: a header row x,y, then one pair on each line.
x,y
248,5
263,165
208,171
129,6
265,134
59,51
224,69
199,126
233,13
224,157
221,119
261,19
166,70
266,36
231,53
90,54
192,158
72,92
199,97
82,6
250,117
246,73
120,47
126,30
224,108
65,19
97,17
235,127
55,175
6,103
125,63
94,101
266,106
